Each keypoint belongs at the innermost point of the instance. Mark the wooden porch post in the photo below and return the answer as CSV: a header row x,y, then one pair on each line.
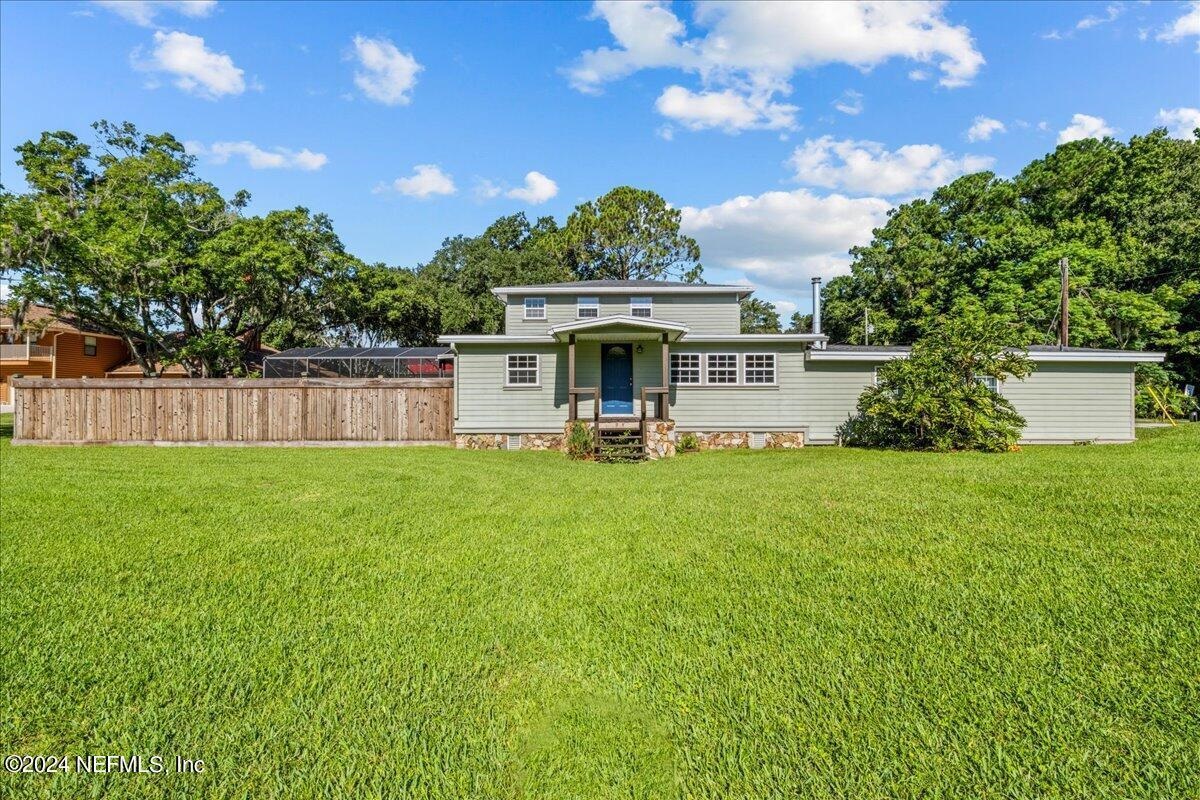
x,y
572,398
665,399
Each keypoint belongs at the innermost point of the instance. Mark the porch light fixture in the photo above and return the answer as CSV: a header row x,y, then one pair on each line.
x,y
638,349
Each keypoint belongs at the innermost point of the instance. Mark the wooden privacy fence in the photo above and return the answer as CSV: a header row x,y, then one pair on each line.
x,y
233,410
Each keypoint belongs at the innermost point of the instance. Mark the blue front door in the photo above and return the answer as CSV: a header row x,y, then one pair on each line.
x,y
616,379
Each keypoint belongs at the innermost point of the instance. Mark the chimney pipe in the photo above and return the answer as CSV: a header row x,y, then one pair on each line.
x,y
816,314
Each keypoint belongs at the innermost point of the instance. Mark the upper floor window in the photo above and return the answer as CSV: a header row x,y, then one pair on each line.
x,y
685,367
89,345
535,308
722,368
759,367
587,307
641,306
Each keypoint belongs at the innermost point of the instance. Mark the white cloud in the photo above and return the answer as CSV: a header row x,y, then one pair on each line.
x,y
727,110
1187,25
785,308
143,12
426,181
486,189
1084,126
258,158
784,238
749,51
983,128
1180,122
775,39
851,102
197,69
387,75
1111,12
865,167
537,189
918,75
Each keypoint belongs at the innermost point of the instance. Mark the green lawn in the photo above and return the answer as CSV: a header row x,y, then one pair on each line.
x,y
433,623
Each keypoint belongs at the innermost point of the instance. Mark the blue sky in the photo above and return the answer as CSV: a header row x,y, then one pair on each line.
x,y
783,132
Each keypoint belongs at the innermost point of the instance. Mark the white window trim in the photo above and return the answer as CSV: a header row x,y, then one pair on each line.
x,y
983,378
594,302
737,362
774,369
700,359
641,301
525,306
537,366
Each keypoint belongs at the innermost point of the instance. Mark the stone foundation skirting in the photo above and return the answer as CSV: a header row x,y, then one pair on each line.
x,y
480,441
499,441
732,440
660,438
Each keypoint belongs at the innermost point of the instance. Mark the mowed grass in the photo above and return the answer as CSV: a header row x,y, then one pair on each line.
x,y
442,624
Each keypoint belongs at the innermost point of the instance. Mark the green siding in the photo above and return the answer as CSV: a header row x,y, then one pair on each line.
x,y
705,313
1075,402
1060,402
744,408
484,405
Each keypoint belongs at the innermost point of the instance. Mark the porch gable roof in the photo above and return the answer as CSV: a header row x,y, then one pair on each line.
x,y
619,323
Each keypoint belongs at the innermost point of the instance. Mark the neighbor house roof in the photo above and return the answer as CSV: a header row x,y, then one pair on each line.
x,y
64,323
1037,352
623,287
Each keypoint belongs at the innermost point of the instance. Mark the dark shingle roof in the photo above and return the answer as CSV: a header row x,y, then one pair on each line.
x,y
363,352
631,284
1033,348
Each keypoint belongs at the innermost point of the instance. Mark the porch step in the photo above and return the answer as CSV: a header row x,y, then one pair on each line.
x,y
620,444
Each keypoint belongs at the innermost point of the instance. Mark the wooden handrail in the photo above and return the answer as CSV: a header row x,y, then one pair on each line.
x,y
664,392
573,400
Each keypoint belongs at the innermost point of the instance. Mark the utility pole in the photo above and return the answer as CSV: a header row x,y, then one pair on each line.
x,y
1064,304
866,327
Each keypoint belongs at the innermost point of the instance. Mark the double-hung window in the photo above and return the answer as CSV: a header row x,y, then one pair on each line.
x,y
759,368
685,368
587,308
722,368
522,370
989,381
535,308
641,306
89,345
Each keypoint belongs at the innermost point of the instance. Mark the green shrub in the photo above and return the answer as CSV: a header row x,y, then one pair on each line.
x,y
580,443
688,443
1153,379
935,400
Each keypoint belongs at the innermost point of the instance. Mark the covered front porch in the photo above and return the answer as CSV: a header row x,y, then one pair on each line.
x,y
622,365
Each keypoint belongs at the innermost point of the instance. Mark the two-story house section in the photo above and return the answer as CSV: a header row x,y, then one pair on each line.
x,y
615,352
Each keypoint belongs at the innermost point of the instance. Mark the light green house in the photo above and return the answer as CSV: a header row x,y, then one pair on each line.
x,y
643,362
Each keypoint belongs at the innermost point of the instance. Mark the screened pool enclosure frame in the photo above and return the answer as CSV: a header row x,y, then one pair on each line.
x,y
360,362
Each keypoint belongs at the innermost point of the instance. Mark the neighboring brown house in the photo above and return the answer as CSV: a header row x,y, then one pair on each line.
x,y
64,349
67,349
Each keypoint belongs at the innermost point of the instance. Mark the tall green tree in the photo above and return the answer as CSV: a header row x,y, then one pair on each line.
x,y
759,316
125,237
628,234
1125,215
462,273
